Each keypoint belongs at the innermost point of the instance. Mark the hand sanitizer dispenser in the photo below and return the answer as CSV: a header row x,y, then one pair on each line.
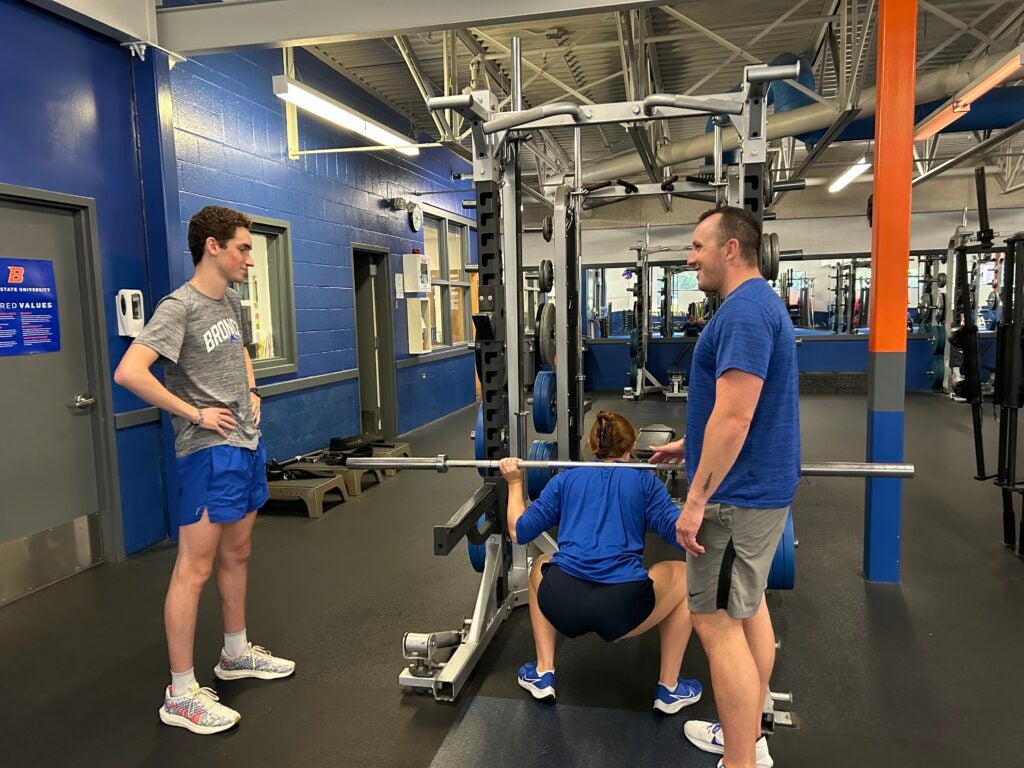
x,y
129,312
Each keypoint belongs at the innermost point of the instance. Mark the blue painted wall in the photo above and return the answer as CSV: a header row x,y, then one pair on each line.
x,y
427,391
81,117
68,126
229,134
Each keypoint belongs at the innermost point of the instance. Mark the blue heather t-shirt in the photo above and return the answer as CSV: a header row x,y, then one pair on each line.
x,y
751,332
602,516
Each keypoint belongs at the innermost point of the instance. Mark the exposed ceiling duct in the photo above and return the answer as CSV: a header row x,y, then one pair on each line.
x,y
936,84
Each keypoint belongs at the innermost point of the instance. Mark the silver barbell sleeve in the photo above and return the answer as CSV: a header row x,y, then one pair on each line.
x,y
441,463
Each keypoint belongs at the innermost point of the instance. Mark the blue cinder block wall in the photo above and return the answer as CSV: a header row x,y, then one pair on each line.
x,y
68,126
230,140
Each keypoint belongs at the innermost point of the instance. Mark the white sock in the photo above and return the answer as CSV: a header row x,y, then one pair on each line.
x,y
182,681
235,644
545,671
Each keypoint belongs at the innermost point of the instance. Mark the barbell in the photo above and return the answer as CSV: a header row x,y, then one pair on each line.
x,y
441,463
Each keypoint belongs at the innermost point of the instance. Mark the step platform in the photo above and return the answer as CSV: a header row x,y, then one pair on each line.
x,y
311,490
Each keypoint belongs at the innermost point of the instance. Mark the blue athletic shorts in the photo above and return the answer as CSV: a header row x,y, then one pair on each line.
x,y
227,481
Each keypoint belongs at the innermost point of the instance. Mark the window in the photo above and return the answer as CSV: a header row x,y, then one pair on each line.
x,y
447,244
268,304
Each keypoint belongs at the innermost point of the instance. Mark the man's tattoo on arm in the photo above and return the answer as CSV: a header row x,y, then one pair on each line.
x,y
707,482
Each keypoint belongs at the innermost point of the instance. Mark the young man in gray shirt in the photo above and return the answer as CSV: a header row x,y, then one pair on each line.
x,y
198,333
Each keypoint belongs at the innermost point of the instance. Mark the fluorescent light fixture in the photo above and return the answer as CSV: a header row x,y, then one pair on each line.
x,y
849,175
1008,66
304,97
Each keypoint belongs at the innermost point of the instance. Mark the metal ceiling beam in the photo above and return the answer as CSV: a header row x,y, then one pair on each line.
x,y
679,37
1000,30
529,64
501,81
781,20
993,141
220,27
709,34
424,86
929,86
955,22
958,34
812,157
859,63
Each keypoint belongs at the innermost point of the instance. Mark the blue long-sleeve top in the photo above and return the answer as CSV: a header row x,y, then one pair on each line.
x,y
602,516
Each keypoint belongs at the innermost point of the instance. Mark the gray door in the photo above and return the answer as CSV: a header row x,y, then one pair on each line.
x,y
375,343
49,502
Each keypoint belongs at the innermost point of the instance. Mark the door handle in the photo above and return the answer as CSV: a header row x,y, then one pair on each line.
x,y
83,401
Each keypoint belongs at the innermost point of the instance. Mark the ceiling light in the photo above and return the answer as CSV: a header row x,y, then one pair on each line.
x,y
304,97
849,175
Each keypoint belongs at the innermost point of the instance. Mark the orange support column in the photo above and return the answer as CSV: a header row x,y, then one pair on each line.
x,y
890,249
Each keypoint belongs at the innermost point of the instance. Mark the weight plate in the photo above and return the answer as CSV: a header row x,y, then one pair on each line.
x,y
765,264
547,276
546,333
936,372
537,479
479,439
774,265
634,342
547,229
477,552
941,280
666,320
937,338
783,571
545,402
632,373
769,188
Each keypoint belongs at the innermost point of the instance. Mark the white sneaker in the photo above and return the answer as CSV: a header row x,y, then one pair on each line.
x,y
255,662
708,736
198,710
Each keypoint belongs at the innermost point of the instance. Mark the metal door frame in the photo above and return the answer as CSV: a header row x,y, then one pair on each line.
x,y
90,282
387,391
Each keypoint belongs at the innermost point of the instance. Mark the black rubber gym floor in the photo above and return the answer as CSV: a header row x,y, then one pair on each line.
x,y
926,673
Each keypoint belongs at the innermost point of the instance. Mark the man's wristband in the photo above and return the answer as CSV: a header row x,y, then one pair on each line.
x,y
199,417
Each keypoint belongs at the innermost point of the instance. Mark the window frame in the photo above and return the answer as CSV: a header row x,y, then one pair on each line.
x,y
282,299
444,221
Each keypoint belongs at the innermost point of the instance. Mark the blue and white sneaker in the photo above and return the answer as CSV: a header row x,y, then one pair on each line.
x,y
708,736
539,686
685,693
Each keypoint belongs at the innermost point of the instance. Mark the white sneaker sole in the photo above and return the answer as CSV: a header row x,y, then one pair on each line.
x,y
676,706
539,694
707,746
763,759
169,718
238,674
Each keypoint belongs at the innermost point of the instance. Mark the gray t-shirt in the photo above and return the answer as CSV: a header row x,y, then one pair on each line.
x,y
201,342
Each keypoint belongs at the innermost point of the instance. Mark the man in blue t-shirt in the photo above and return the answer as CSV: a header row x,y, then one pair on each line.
x,y
742,452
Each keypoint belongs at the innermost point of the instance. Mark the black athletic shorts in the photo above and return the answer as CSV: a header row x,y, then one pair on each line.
x,y
577,606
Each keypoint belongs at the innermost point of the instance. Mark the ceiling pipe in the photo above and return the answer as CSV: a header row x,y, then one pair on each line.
x,y
932,85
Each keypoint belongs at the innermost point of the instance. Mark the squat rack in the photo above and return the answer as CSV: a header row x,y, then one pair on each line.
x,y
441,662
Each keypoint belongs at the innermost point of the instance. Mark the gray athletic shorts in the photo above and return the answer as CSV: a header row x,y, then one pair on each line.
x,y
732,573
